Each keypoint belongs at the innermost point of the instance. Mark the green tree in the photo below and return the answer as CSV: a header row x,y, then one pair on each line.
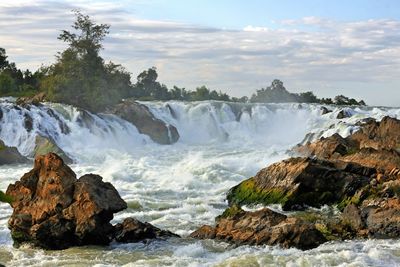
x,y
80,77
3,59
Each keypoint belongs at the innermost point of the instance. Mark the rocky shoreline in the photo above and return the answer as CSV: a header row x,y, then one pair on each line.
x,y
358,175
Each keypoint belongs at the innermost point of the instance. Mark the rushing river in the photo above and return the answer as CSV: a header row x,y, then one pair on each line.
x,y
182,186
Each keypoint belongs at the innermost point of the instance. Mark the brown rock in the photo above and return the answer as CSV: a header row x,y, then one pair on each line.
x,y
54,210
374,145
326,148
31,100
299,182
140,116
379,135
204,232
132,230
263,227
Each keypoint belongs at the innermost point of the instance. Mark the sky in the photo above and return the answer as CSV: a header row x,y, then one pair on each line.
x,y
328,47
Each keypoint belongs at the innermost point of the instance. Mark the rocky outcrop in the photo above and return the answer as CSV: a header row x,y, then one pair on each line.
x,y
10,155
132,230
343,114
31,100
44,145
359,174
263,227
299,182
55,210
374,145
140,116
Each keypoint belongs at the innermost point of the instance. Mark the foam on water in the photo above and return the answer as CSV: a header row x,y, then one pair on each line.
x,y
182,186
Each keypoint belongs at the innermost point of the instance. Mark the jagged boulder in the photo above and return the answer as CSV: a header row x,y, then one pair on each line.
x,y
299,182
384,134
140,116
132,230
55,210
10,155
44,145
375,145
263,227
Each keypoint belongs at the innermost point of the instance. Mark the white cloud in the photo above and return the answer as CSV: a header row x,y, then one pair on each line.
x,y
311,53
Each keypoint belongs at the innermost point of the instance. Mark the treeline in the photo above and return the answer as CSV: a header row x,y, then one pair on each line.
x,y
82,78
277,93
14,81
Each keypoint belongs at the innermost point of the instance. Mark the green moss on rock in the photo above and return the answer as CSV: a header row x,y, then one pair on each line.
x,y
230,212
247,193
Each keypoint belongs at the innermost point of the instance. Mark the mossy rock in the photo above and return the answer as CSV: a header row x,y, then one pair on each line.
x,y
5,198
230,212
44,145
247,193
10,155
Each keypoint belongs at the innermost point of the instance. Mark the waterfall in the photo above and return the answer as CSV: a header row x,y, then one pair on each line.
x,y
86,136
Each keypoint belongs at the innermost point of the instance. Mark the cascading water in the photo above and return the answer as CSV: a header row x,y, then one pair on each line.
x,y
181,186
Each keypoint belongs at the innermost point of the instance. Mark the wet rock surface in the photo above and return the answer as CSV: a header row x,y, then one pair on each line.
x,y
263,227
146,123
132,230
10,155
299,182
55,210
357,176
45,145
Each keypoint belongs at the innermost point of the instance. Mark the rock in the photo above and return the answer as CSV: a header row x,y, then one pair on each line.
x,y
28,122
263,227
325,110
204,232
45,145
379,135
343,114
385,160
326,148
374,145
54,210
10,155
31,100
299,182
140,116
132,230
352,215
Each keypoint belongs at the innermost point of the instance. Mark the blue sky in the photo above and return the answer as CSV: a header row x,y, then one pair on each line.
x,y
237,14
328,47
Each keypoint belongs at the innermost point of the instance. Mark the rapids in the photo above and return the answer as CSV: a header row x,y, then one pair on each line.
x,y
182,186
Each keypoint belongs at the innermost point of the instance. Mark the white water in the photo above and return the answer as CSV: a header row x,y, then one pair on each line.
x,y
179,187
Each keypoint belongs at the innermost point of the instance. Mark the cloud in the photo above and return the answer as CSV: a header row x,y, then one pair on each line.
x,y
308,54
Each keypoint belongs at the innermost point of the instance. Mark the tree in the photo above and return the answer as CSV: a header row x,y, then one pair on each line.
x,y
89,37
3,59
80,77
